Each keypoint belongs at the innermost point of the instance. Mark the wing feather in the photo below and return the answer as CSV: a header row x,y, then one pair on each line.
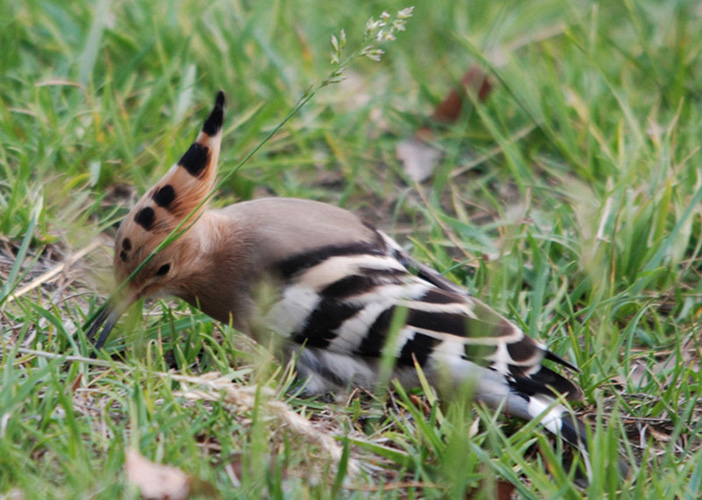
x,y
361,287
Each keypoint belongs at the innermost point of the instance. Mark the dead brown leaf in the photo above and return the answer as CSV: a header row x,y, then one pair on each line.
x,y
503,491
76,383
475,80
156,481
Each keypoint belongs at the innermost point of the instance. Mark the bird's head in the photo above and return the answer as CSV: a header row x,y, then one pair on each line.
x,y
160,222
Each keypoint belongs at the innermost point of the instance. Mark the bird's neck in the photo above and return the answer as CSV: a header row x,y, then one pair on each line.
x,y
219,269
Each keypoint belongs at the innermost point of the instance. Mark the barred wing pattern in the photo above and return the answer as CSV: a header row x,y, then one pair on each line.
x,y
339,302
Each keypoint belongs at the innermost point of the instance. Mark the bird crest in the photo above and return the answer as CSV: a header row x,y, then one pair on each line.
x,y
182,191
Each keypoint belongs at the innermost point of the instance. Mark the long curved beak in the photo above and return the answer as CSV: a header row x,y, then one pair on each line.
x,y
107,317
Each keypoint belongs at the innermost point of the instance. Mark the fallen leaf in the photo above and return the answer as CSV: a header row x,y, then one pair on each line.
x,y
15,494
76,383
475,80
418,157
665,362
156,481
503,491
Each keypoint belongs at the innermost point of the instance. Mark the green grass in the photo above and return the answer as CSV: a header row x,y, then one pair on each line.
x,y
579,217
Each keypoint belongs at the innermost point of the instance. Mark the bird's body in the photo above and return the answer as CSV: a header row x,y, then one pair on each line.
x,y
338,283
335,289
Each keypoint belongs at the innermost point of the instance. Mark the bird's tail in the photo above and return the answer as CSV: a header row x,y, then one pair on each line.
x,y
544,408
555,418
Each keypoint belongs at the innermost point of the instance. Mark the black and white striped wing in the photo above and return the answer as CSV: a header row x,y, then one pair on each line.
x,y
340,301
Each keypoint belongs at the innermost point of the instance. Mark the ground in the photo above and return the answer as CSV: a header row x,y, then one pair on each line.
x,y
565,192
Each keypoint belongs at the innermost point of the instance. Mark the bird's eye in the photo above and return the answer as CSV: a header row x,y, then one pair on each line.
x,y
163,270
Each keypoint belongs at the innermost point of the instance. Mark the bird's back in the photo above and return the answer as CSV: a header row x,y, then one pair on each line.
x,y
344,285
281,227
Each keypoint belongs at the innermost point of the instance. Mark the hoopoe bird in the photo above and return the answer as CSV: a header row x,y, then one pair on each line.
x,y
339,285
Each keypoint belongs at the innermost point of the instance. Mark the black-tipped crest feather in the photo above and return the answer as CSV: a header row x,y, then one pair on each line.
x,y
213,124
195,159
